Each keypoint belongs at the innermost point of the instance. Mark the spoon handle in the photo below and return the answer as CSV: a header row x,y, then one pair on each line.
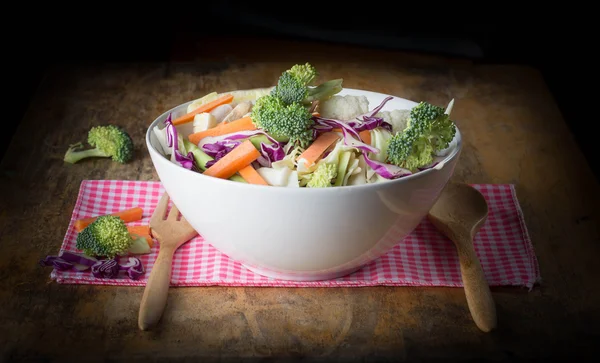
x,y
477,291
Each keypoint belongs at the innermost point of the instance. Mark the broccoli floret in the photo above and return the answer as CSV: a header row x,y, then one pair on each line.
x,y
305,73
323,176
428,130
109,141
284,122
107,236
293,86
289,89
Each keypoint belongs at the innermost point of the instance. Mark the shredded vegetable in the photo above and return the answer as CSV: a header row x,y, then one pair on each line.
x,y
300,143
173,139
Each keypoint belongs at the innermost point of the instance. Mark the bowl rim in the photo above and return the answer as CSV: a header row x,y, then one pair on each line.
x,y
225,182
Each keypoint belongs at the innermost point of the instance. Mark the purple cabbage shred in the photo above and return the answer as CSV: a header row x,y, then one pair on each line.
x,y
186,161
106,268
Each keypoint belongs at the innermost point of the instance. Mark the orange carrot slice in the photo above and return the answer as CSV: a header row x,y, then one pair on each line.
x,y
189,117
243,155
139,229
365,136
252,176
318,147
127,215
242,124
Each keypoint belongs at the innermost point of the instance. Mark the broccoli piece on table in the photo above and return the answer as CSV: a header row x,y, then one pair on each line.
x,y
107,236
323,176
293,86
109,141
428,130
283,122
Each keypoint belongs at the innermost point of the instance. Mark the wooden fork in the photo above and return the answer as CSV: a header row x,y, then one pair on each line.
x,y
171,233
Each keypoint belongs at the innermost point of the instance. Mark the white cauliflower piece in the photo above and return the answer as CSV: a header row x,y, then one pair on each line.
x,y
204,121
344,107
396,118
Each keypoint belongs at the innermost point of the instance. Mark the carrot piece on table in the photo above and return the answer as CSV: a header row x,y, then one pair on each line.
x,y
365,136
127,215
146,236
242,124
252,176
139,229
189,117
318,147
243,155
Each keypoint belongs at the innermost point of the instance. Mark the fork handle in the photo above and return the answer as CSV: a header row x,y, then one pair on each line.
x,y
157,289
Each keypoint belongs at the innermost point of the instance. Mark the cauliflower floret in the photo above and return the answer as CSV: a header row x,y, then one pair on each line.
x,y
397,118
344,107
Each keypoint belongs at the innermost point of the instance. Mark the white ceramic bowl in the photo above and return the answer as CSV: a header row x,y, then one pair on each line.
x,y
303,233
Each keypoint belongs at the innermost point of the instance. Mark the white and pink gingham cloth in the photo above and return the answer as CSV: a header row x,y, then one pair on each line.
x,y
424,258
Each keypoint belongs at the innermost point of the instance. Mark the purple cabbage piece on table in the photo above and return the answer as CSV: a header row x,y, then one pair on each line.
x,y
78,258
56,262
106,268
133,267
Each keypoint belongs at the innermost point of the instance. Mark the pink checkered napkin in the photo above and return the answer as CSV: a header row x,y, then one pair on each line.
x,y
424,258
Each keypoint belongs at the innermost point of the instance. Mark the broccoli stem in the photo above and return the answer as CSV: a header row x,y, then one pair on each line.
x,y
257,140
237,178
200,156
324,91
73,155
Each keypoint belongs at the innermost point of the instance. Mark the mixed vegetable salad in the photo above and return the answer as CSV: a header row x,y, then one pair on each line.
x,y
303,134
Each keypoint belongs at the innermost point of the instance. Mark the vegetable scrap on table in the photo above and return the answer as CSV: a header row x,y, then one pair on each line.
x,y
108,246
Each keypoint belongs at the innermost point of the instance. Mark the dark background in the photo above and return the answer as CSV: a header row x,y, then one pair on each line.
x,y
489,33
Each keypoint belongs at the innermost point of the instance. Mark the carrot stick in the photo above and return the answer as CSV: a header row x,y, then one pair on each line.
x,y
189,117
243,155
252,176
146,236
127,215
318,147
139,229
365,136
242,124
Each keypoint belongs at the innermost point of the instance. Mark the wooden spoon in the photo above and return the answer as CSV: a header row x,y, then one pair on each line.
x,y
459,213
171,233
